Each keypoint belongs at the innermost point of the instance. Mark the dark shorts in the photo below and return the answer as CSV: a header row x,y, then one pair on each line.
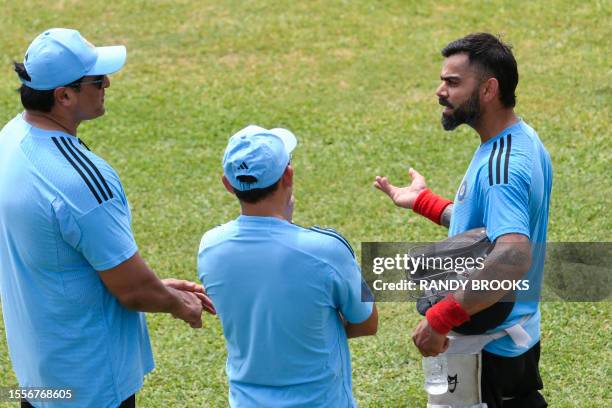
x,y
128,403
512,382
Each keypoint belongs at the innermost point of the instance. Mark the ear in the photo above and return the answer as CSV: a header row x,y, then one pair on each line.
x,y
227,184
63,96
490,90
287,178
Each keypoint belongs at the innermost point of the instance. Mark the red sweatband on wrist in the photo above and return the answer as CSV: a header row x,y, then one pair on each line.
x,y
446,314
430,205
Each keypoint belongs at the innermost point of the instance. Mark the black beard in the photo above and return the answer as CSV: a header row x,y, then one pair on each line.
x,y
468,113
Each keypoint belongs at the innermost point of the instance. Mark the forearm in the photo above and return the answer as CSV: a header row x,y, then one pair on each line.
x,y
352,331
433,207
152,296
446,216
507,261
137,287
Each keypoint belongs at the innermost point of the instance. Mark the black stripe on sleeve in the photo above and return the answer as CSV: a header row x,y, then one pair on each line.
x,y
491,163
87,169
335,235
93,166
91,188
498,166
82,143
507,161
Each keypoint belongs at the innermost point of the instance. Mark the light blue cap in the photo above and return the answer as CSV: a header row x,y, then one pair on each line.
x,y
60,56
260,153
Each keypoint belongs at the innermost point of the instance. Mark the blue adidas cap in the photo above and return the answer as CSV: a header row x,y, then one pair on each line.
x,y
60,56
260,153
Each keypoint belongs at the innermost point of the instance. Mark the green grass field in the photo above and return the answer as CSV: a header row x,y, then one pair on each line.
x,y
355,81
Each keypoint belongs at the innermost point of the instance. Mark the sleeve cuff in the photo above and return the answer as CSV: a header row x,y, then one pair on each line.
x,y
508,230
363,315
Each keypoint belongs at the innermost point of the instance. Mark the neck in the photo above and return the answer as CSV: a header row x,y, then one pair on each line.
x,y
51,121
493,122
262,210
278,206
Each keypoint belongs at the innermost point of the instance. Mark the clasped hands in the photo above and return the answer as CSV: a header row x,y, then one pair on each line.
x,y
194,300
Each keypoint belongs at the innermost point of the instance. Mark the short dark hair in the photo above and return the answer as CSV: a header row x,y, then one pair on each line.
x,y
34,99
256,194
493,57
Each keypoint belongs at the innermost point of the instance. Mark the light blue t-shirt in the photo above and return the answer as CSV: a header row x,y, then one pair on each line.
x,y
279,290
506,189
63,217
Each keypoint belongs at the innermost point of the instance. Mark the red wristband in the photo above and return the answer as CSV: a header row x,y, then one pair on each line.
x,y
446,314
430,205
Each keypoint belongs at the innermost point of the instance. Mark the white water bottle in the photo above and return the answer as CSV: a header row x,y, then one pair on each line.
x,y
436,374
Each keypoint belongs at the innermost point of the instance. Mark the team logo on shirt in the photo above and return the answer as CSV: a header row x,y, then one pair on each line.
x,y
461,192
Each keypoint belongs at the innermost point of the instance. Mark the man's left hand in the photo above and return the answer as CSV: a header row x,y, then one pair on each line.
x,y
428,341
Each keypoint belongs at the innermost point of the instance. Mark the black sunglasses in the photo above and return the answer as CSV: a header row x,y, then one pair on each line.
x,y
98,81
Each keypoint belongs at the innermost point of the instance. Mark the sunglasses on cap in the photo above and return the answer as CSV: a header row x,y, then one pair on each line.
x,y
98,81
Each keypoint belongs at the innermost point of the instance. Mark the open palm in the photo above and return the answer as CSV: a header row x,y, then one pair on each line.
x,y
402,196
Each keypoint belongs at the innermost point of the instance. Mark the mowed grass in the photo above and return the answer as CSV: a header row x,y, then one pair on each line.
x,y
355,81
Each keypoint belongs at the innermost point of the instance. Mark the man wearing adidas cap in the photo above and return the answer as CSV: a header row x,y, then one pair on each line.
x,y
71,279
288,297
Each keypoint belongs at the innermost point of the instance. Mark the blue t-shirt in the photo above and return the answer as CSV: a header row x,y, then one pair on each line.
x,y
279,290
506,189
64,217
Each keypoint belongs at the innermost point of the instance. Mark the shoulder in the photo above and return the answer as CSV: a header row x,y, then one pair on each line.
x,y
327,242
533,144
216,235
510,159
83,179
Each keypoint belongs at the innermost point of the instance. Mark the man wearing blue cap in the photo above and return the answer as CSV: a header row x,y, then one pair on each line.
x,y
71,279
288,297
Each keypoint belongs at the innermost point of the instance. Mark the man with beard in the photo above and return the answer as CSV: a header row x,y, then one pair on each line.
x,y
506,189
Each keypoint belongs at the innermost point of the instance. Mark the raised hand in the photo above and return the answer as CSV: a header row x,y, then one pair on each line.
x,y
402,196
